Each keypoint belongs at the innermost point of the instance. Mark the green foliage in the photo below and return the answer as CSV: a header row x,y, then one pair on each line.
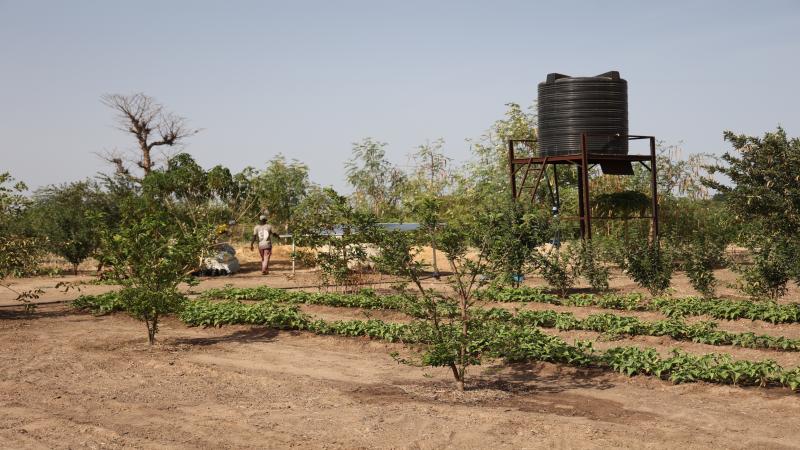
x,y
649,264
278,189
149,254
377,185
725,309
559,267
67,216
365,299
763,188
20,252
191,194
764,194
770,272
517,338
515,236
485,182
271,314
699,259
100,304
590,267
444,325
340,233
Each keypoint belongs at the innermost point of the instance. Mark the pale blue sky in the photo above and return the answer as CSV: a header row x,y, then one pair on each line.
x,y
308,78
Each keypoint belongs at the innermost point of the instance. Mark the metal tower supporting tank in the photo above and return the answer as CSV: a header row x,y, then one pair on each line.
x,y
583,122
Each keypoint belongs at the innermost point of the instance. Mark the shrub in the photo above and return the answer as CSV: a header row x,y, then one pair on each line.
x,y
558,266
699,259
590,268
149,255
769,274
649,264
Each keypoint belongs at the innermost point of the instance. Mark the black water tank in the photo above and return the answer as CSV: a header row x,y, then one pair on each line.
x,y
570,106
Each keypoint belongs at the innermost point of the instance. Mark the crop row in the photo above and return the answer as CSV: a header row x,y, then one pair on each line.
x,y
718,308
514,342
705,332
612,325
514,339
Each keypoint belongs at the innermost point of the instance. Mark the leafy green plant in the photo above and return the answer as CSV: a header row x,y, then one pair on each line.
x,y
444,327
769,274
516,236
149,255
66,216
717,308
699,259
340,234
20,253
517,338
649,264
590,267
100,304
559,267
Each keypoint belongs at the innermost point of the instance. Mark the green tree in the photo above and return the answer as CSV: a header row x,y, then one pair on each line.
x,y
149,254
763,188
514,238
278,189
340,234
377,184
763,193
485,179
20,252
445,323
66,216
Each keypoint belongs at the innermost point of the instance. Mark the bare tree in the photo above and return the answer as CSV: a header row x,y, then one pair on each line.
x,y
143,117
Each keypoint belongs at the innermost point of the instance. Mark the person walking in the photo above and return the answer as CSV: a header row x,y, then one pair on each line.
x,y
262,233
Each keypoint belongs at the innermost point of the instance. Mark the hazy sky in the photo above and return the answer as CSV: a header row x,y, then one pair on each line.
x,y
307,79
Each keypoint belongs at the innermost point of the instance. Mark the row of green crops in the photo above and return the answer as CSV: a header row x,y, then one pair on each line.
x,y
284,317
611,325
365,299
513,341
705,332
724,309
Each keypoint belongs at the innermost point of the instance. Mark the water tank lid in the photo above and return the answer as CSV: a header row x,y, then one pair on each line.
x,y
553,77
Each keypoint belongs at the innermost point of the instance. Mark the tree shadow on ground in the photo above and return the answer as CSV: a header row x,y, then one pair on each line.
x,y
19,313
260,334
520,378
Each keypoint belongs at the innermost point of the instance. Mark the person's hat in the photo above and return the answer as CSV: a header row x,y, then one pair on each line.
x,y
262,217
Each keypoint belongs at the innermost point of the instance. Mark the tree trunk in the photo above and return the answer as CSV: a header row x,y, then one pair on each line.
x,y
147,163
75,269
152,326
462,347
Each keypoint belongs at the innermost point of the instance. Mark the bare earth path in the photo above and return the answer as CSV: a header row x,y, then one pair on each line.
x,y
71,380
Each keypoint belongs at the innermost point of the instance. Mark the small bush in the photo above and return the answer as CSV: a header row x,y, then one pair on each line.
x,y
769,274
649,264
558,267
591,268
699,260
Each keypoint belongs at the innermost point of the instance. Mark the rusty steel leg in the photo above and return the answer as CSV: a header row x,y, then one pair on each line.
x,y
585,182
512,172
524,178
557,202
654,187
538,180
578,168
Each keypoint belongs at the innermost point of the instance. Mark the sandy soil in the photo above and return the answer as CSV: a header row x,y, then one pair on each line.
x,y
72,380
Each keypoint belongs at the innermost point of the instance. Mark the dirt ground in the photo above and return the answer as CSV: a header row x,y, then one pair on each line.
x,y
72,380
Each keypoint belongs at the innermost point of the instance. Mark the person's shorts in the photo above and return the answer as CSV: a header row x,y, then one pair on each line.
x,y
265,248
